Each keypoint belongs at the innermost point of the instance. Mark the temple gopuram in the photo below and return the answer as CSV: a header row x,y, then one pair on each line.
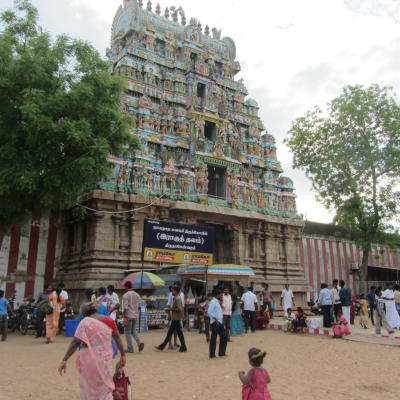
x,y
204,149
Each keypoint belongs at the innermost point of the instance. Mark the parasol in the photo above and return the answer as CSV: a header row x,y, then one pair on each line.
x,y
149,279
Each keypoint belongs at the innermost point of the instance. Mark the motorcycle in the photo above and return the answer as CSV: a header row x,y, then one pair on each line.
x,y
25,318
314,307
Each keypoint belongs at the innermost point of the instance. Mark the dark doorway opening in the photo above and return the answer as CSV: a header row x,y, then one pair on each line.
x,y
209,130
201,90
216,182
193,57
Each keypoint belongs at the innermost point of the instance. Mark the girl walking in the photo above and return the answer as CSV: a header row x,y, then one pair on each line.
x,y
256,380
364,319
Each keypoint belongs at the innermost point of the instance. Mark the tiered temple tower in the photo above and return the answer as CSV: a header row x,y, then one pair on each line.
x,y
204,147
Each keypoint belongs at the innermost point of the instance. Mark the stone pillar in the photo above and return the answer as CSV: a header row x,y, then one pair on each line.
x,y
132,221
220,251
279,255
88,225
257,249
75,245
95,237
117,220
234,238
66,250
246,244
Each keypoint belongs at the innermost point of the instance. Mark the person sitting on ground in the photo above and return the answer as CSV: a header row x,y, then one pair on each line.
x,y
364,316
342,327
257,378
289,320
300,322
262,319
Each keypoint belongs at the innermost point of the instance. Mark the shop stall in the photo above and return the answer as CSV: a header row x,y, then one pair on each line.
x,y
206,279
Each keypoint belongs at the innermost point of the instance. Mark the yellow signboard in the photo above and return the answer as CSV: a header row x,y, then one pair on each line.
x,y
179,257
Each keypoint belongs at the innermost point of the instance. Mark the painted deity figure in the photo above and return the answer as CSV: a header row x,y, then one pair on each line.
x,y
171,126
164,125
144,178
126,174
201,179
151,123
140,123
172,181
253,196
157,124
151,77
233,182
135,177
188,183
151,40
245,193
156,182
260,198
199,127
163,182
120,176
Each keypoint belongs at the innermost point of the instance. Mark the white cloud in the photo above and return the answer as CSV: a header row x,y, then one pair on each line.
x,y
294,54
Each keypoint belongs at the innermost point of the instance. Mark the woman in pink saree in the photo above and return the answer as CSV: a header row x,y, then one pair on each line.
x,y
94,361
341,328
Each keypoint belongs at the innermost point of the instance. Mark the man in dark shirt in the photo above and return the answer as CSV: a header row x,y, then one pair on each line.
x,y
371,297
345,300
39,315
176,318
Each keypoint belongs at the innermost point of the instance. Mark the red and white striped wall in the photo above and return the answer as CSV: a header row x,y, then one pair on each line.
x,y
325,259
27,260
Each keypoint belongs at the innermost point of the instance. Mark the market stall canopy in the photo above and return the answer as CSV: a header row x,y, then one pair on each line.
x,y
217,269
149,280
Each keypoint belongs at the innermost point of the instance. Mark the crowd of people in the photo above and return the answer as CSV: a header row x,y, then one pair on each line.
x,y
226,316
338,307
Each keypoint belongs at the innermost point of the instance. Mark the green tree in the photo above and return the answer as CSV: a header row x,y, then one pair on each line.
x,y
352,157
60,117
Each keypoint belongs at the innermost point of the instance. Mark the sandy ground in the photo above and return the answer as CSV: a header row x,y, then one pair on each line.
x,y
301,367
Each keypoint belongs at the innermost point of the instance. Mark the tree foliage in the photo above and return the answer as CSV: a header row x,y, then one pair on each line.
x,y
352,157
60,117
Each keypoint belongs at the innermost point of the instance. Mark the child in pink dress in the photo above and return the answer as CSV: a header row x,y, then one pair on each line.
x,y
255,382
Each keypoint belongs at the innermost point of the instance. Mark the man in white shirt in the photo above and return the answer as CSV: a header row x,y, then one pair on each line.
x,y
249,306
390,304
63,308
227,312
287,298
325,302
112,302
169,305
336,304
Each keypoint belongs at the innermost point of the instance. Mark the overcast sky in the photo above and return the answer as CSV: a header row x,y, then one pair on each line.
x,y
294,53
